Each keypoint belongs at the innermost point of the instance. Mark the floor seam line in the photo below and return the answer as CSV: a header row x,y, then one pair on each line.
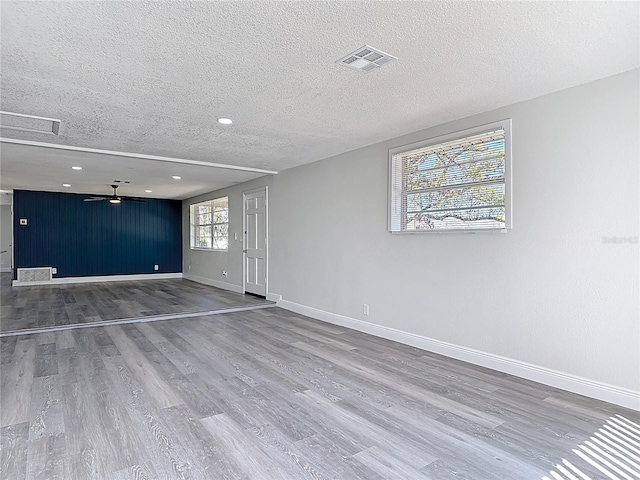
x,y
124,321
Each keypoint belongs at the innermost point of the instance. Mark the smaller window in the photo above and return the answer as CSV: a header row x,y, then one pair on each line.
x,y
210,224
457,182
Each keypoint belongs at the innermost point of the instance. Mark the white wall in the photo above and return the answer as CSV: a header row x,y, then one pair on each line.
x,y
207,266
549,292
5,237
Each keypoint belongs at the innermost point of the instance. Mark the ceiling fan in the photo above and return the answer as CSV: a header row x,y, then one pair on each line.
x,y
115,199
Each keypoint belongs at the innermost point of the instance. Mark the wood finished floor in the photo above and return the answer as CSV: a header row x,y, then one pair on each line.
x,y
67,304
268,394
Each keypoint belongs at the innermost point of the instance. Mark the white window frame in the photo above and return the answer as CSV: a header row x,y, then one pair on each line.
x,y
395,196
192,225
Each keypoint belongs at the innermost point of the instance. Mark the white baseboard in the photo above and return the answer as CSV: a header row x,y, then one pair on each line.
x,y
5,269
565,381
213,283
274,297
102,278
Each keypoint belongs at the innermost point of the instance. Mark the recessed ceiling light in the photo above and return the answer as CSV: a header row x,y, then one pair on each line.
x,y
148,191
225,121
176,177
77,168
66,184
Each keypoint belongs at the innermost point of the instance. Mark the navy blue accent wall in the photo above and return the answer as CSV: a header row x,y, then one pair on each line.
x,y
96,238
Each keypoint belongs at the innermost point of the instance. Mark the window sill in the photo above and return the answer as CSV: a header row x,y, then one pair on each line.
x,y
452,230
210,249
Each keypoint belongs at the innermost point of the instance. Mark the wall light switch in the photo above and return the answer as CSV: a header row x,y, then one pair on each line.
x,y
235,236
23,221
155,267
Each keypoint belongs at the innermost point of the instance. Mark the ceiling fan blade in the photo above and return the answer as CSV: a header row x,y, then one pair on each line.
x,y
95,199
132,199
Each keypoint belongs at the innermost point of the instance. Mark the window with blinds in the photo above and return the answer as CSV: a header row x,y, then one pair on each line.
x,y
458,182
210,224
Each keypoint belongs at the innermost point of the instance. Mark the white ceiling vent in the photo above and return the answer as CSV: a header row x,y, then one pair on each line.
x,y
29,123
366,59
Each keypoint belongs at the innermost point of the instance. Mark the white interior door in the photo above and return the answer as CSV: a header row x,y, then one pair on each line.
x,y
6,239
255,241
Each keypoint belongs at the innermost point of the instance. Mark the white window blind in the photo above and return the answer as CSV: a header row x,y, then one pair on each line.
x,y
210,224
458,182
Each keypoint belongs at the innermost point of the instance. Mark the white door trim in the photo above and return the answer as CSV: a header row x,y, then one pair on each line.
x,y
264,188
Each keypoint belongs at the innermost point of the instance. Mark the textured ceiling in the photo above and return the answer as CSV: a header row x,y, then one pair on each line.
x,y
153,77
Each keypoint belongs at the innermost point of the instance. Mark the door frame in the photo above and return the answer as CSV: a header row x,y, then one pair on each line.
x,y
266,236
9,252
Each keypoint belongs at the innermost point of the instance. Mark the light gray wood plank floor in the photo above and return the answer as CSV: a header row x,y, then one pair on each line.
x,y
24,308
267,394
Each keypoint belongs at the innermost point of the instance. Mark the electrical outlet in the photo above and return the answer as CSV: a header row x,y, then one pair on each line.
x,y
155,267
365,309
54,271
189,267
224,273
23,221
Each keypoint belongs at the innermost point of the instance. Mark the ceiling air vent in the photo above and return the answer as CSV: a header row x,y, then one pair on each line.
x,y
366,59
29,123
